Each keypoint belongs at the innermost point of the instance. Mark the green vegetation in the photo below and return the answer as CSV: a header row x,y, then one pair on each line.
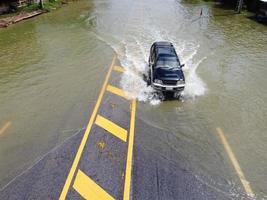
x,y
29,8
8,15
52,4
48,5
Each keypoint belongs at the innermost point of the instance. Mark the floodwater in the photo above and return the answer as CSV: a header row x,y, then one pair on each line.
x,y
51,67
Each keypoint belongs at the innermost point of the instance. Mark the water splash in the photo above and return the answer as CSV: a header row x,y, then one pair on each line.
x,y
194,85
132,46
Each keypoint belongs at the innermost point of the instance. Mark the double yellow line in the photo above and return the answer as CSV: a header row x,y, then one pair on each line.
x,y
80,175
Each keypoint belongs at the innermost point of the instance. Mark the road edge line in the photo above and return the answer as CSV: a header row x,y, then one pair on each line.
x,y
128,171
86,135
5,127
235,163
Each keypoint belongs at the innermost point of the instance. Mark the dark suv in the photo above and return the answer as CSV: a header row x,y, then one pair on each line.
x,y
165,70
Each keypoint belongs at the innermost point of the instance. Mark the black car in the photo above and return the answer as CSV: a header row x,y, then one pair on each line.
x,y
165,70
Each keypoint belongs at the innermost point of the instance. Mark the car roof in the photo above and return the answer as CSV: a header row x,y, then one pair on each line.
x,y
164,49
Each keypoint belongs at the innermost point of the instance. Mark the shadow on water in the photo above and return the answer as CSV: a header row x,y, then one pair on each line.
x,y
254,18
231,7
213,16
225,6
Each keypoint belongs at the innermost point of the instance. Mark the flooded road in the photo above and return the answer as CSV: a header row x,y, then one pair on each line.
x,y
49,75
51,68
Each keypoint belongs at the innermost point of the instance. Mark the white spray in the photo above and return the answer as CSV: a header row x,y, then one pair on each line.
x,y
132,45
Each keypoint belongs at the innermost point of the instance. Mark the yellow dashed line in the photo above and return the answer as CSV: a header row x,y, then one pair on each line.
x,y
88,189
122,69
111,127
83,184
5,127
116,91
128,171
119,69
85,136
235,163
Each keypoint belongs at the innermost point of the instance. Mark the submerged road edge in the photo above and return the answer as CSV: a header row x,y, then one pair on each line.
x,y
235,163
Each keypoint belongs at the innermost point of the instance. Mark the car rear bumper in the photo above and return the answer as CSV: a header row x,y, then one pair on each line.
x,y
168,88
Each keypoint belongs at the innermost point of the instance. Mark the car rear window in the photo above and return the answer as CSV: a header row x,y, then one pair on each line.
x,y
166,52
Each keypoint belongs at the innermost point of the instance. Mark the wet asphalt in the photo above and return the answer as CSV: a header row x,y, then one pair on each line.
x,y
153,176
156,174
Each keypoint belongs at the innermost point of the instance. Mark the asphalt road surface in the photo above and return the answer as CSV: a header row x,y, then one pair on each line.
x,y
77,120
93,164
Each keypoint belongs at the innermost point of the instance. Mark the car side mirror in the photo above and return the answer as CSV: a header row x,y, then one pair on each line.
x,y
182,65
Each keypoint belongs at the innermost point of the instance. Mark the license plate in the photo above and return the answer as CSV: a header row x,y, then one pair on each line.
x,y
169,88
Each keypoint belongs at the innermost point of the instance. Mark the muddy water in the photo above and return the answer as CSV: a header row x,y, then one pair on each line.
x,y
49,75
50,68
225,56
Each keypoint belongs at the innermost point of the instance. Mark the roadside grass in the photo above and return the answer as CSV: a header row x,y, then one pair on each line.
x,y
8,15
47,6
30,8
53,4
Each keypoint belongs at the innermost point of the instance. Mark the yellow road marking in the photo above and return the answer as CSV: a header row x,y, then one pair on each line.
x,y
122,69
119,69
116,91
5,127
235,163
128,171
111,127
85,136
88,189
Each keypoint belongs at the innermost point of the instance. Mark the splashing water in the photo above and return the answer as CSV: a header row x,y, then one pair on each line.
x,y
194,85
133,45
